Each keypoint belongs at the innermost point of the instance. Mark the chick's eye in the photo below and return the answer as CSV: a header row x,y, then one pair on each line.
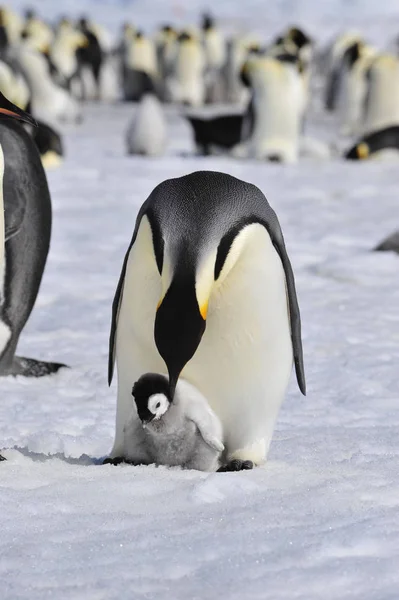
x,y
158,405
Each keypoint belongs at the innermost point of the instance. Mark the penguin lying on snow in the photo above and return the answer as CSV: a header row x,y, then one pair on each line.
x,y
390,244
146,133
374,144
223,131
214,300
26,238
185,432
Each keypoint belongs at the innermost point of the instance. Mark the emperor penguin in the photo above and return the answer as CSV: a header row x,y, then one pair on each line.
x,y
63,52
146,134
356,59
49,101
186,84
334,67
237,50
383,143
215,58
12,23
382,97
185,432
13,85
140,62
38,34
207,292
49,143
165,42
25,237
90,58
279,103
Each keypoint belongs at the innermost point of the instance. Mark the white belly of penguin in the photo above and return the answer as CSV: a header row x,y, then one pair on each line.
x,y
244,361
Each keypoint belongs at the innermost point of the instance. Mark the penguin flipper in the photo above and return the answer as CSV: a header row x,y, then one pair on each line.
x,y
30,367
206,421
14,211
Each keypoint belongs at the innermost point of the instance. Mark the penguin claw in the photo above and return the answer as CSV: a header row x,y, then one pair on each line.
x,y
236,465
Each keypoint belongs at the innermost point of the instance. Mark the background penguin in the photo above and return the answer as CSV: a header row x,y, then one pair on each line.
x,y
27,209
375,144
146,133
49,102
390,244
186,84
215,58
334,67
185,432
382,98
64,53
355,62
140,62
90,59
221,132
214,300
279,102
49,144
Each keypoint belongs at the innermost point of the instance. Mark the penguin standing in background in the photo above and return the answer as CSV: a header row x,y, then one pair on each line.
x,y
334,67
213,300
279,102
90,58
13,85
27,228
186,84
140,62
49,101
146,134
165,42
382,97
356,59
237,52
215,58
185,432
63,53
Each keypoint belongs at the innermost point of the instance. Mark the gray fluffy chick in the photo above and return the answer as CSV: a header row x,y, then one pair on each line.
x,y
185,432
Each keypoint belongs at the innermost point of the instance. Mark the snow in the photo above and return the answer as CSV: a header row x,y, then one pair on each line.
x,y
321,518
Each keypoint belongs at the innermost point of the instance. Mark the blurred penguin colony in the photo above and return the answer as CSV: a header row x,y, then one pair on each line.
x,y
258,92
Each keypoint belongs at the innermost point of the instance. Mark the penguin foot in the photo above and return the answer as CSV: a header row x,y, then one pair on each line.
x,y
113,461
236,465
30,367
2,458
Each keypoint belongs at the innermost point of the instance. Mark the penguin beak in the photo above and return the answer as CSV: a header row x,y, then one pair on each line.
x,y
179,326
9,109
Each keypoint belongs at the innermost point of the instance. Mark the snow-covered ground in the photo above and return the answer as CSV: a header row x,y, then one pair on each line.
x,y
321,519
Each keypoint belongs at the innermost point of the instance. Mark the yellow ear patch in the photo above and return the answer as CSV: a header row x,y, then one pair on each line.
x,y
363,150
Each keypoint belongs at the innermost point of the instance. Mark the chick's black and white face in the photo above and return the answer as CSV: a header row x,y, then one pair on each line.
x,y
150,394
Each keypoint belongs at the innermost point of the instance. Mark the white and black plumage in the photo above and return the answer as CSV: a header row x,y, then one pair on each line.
x,y
27,230
221,132
375,144
207,290
185,432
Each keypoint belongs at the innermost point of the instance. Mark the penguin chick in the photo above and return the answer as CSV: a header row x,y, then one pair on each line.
x,y
185,432
146,134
